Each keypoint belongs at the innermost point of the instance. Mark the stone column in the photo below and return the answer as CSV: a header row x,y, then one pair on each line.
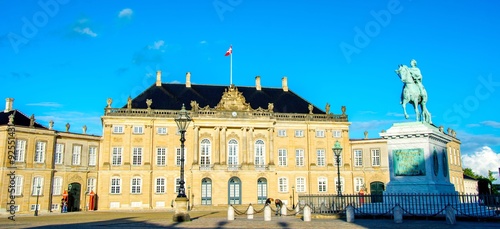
x,y
196,145
250,144
216,157
244,154
223,150
271,146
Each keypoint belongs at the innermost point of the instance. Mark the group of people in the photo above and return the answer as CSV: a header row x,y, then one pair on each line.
x,y
278,203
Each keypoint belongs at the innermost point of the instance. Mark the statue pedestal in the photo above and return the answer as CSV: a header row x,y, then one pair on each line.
x,y
417,159
181,210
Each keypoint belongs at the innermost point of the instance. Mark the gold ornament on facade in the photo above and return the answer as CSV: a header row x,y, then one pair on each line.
x,y
109,102
310,107
129,103
32,121
194,106
149,102
270,107
233,100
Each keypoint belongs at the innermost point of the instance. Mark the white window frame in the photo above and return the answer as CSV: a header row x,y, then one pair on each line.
x,y
260,152
137,156
33,206
232,152
18,186
322,184
91,182
299,157
54,207
40,149
57,186
59,154
161,156
300,184
115,186
375,157
282,184
282,157
299,133
117,156
160,185
205,152
320,133
342,182
337,133
178,156
136,185
37,181
340,160
118,129
358,157
282,133
161,130
92,155
177,185
76,155
320,157
138,129
20,150
359,183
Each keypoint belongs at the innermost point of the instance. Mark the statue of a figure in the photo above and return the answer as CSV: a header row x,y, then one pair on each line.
x,y
327,108
414,91
270,107
67,127
11,119
129,103
32,120
109,101
310,107
51,124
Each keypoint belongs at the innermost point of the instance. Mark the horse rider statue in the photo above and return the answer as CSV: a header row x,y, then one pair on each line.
x,y
414,91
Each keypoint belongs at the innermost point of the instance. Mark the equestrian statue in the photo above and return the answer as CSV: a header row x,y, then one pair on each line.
x,y
414,91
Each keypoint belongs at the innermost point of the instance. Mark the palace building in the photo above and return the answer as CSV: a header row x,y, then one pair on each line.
x,y
243,145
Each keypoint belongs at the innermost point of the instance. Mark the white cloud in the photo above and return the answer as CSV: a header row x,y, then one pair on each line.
x,y
472,142
76,119
125,13
395,114
157,45
373,125
367,112
203,42
482,160
493,124
45,104
85,31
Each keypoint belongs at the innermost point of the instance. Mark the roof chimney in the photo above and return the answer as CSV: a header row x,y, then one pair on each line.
x,y
158,78
284,83
8,104
257,83
188,79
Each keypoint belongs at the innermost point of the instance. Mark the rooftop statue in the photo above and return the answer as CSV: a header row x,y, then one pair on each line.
x,y
414,91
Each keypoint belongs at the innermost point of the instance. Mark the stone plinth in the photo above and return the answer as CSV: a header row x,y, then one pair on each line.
x,y
418,160
181,210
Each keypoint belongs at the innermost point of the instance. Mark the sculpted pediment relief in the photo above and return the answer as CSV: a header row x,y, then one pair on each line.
x,y
232,100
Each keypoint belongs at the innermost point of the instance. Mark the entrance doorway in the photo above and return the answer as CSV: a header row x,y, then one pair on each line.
x,y
234,195
261,190
377,191
74,190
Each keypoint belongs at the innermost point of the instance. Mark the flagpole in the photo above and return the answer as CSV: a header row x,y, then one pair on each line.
x,y
231,68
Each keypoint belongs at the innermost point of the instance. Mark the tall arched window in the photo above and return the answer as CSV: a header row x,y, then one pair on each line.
x,y
205,152
232,152
261,190
206,191
260,153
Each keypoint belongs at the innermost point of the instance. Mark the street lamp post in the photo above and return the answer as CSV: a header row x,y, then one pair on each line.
x,y
37,196
182,120
293,197
337,150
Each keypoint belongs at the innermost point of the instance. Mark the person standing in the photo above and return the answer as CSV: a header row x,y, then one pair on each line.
x,y
279,204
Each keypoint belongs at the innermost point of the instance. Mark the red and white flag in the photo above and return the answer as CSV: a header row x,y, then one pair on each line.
x,y
229,51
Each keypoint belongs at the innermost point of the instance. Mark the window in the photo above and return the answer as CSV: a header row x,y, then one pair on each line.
x,y
206,152
337,133
260,153
92,155
118,129
54,207
116,184
283,184
91,184
322,184
281,133
300,184
117,156
57,186
358,157
233,152
299,157
34,207
20,150
321,157
40,152
58,156
282,156
137,156
138,130
299,133
161,156
160,185
18,186
177,185
77,154
178,156
37,186
359,184
341,184
320,133
135,187
375,157
161,130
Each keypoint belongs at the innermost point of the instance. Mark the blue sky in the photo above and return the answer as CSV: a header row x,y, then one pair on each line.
x,y
61,60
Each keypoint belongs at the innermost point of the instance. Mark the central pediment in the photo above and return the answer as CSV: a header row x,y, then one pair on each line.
x,y
233,100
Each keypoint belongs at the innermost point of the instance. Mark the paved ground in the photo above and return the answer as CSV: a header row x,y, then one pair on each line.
x,y
214,219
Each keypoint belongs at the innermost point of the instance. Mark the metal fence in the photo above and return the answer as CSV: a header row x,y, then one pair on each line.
x,y
426,205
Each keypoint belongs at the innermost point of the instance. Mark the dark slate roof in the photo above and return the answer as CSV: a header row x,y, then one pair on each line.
x,y
19,119
172,96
